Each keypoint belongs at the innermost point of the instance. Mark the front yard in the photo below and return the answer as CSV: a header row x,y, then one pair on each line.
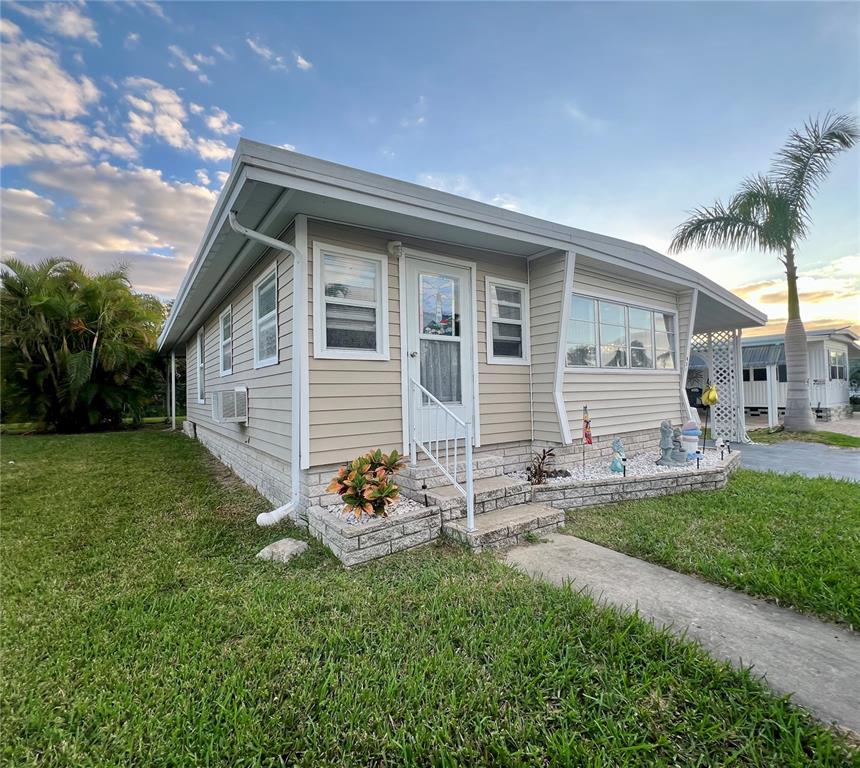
x,y
138,628
791,539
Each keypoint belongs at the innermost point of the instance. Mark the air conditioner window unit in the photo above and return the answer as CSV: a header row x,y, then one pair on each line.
x,y
230,406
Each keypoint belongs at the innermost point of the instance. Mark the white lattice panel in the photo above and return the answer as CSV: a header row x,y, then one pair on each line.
x,y
721,350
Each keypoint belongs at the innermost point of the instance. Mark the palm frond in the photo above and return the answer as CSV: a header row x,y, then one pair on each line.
x,y
805,160
717,226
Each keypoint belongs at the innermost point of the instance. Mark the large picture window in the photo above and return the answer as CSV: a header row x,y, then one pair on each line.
x,y
507,322
266,319
225,323
350,303
838,366
608,334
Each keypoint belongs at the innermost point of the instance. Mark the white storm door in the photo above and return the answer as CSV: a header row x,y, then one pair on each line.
x,y
439,343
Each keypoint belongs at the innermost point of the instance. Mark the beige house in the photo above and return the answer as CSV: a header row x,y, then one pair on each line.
x,y
330,311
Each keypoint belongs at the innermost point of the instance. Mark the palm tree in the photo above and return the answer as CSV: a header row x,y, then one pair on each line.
x,y
772,214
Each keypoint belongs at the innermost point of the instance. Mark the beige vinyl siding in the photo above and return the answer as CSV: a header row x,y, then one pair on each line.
x,y
546,292
269,426
685,331
627,400
355,405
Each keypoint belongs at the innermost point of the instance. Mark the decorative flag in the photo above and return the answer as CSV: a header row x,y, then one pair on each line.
x,y
586,426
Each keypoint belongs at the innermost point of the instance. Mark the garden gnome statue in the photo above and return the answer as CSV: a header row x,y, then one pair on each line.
x,y
679,455
666,445
617,464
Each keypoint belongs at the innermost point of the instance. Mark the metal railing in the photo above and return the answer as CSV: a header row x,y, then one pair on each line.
x,y
436,432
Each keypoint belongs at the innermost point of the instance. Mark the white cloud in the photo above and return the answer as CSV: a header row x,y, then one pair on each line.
x,y
417,116
189,63
196,109
17,147
131,40
459,184
589,122
213,149
33,81
222,177
218,121
224,54
117,214
302,62
290,147
64,19
203,59
203,177
275,61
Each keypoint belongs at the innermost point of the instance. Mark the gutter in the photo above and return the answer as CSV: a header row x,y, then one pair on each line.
x,y
299,263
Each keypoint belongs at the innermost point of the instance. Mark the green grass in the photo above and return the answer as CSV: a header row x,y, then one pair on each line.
x,y
138,629
827,438
791,539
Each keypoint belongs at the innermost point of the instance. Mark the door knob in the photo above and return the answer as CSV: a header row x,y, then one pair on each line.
x,y
413,354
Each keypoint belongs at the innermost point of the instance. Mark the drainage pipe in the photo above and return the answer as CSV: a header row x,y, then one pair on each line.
x,y
278,514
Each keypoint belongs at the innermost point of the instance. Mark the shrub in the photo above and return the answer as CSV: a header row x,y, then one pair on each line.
x,y
539,470
366,484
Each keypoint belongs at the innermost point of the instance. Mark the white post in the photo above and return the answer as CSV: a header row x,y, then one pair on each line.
x,y
413,425
470,490
173,389
772,397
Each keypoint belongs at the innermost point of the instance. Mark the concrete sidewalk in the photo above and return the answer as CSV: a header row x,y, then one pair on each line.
x,y
818,663
809,459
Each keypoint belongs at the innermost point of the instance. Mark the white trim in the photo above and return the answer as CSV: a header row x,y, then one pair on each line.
x,y
382,351
692,414
200,353
395,248
301,347
272,269
626,305
561,359
221,340
491,281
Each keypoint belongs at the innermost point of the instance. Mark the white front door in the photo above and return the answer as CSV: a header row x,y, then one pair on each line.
x,y
439,339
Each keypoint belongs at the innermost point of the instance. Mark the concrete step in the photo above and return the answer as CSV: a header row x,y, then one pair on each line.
x,y
429,475
491,493
505,527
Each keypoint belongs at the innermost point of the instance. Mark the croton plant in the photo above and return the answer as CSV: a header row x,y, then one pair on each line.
x,y
366,484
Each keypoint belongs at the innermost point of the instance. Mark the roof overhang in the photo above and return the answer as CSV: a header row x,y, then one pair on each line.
x,y
269,186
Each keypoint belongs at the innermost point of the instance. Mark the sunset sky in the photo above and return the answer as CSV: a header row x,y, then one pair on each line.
x,y
119,119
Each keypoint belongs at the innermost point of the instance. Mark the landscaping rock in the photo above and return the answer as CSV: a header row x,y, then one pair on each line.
x,y
283,550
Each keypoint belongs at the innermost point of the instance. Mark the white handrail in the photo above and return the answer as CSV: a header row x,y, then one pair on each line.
x,y
416,392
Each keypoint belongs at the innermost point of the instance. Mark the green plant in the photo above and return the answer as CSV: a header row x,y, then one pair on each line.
x,y
538,471
773,213
366,485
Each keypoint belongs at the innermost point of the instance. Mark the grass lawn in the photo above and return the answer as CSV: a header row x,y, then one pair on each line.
x,y
827,438
138,629
792,539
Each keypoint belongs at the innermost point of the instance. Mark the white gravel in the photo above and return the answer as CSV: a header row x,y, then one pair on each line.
x,y
399,507
642,465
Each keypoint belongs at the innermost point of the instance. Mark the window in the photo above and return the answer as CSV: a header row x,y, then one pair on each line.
x,y
350,303
201,366
759,374
838,368
507,322
266,319
746,374
781,373
226,344
607,334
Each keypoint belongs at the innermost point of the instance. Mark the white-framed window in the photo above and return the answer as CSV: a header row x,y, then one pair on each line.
x,y
266,318
350,303
610,334
507,322
225,344
838,366
201,366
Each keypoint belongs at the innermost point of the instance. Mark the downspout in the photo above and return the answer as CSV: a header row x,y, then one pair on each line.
x,y
278,514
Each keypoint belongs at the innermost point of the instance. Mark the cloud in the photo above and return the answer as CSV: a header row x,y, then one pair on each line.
x,y
64,19
33,82
222,177
192,64
290,147
584,120
218,121
459,184
159,112
131,40
275,61
417,116
224,54
203,177
302,62
132,215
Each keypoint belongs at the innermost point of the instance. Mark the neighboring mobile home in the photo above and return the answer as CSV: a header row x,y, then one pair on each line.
x,y
390,315
764,374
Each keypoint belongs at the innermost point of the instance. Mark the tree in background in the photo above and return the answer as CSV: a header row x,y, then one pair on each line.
x,y
772,213
77,349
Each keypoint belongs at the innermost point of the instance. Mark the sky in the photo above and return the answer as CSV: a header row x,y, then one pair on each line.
x,y
119,119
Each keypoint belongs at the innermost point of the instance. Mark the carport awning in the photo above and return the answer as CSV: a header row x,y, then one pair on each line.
x,y
762,355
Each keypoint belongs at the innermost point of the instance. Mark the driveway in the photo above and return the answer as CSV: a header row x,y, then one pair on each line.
x,y
810,459
816,662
